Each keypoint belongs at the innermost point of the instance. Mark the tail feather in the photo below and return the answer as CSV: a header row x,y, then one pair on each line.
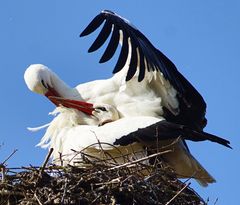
x,y
202,176
186,166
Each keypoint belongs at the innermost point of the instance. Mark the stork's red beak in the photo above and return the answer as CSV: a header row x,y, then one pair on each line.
x,y
82,106
57,100
52,93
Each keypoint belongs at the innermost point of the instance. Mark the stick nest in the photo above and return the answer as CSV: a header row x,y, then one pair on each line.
x,y
95,183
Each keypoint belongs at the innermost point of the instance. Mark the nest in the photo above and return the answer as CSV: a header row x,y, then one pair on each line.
x,y
96,183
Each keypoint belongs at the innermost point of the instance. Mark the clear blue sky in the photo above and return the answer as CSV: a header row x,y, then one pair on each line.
x,y
200,37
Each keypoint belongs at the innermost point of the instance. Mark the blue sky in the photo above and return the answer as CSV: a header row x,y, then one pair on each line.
x,y
200,37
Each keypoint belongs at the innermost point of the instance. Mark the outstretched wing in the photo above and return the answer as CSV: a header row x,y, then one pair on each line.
x,y
144,56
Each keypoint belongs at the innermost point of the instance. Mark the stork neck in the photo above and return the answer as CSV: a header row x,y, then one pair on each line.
x,y
62,88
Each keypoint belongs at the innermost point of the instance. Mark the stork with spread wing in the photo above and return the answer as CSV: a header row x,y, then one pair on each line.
x,y
146,91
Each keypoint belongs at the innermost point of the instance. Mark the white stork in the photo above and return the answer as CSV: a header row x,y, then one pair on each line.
x,y
118,140
145,84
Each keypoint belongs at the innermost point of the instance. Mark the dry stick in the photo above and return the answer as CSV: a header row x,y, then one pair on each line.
x,y
11,193
113,181
156,159
38,200
179,192
167,146
98,196
133,156
31,168
60,158
189,178
106,154
94,157
140,160
45,161
64,191
14,151
215,201
85,154
119,151
123,155
2,165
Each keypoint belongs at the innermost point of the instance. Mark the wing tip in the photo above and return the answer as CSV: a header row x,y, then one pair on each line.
x,y
228,145
106,11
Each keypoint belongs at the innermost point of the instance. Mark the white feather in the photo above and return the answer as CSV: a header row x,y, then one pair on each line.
x,y
35,129
64,134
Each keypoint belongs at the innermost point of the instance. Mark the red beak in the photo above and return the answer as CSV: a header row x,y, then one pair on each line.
x,y
52,93
82,106
57,100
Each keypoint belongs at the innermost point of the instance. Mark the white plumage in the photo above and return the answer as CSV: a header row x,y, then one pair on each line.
x,y
64,134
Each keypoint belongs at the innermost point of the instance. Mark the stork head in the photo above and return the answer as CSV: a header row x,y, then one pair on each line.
x,y
42,80
105,113
38,78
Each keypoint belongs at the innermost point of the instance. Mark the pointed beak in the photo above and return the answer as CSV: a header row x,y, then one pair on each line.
x,y
82,106
57,100
51,94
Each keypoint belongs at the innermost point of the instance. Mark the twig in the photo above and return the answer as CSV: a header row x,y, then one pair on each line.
x,y
38,200
31,168
11,193
98,196
139,160
113,181
14,151
189,178
2,165
106,154
88,155
121,155
215,201
179,192
100,159
45,161
64,192
60,158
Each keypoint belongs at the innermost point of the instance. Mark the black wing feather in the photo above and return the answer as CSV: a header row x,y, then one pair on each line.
x,y
123,55
102,37
93,25
133,63
142,67
111,47
148,55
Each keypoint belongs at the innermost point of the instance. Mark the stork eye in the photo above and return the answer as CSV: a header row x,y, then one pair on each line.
x,y
102,108
43,83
